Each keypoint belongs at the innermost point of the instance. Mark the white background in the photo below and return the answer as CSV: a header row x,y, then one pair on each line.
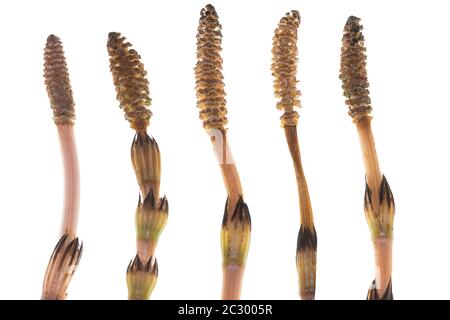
x,y
408,65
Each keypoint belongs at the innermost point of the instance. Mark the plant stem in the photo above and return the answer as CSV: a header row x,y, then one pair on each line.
x,y
71,179
227,166
370,158
284,70
232,273
382,244
379,205
146,249
303,194
236,224
307,240
67,253
383,263
232,282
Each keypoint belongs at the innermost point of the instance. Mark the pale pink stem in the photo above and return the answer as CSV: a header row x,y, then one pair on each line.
x,y
145,249
232,282
383,263
71,179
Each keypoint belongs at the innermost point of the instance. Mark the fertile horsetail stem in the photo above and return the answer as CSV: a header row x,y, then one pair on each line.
x,y
284,70
379,203
132,90
67,252
235,234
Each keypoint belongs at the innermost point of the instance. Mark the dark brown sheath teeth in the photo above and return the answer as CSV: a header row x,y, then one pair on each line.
x,y
61,267
307,238
136,265
241,215
372,294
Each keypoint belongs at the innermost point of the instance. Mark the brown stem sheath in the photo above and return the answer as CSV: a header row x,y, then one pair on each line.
x,y
71,179
61,267
150,185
